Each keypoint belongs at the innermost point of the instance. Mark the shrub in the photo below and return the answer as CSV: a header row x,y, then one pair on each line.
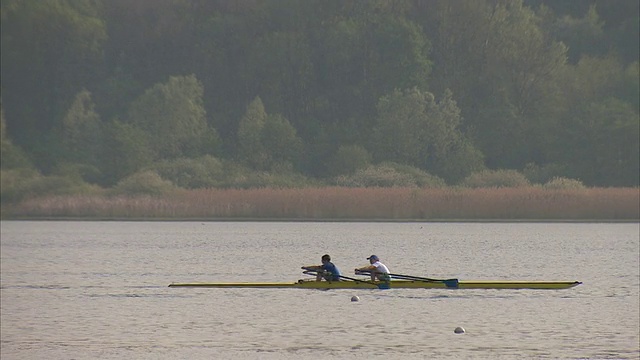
x,y
420,177
349,159
13,187
495,178
59,185
561,183
203,172
144,183
81,172
537,174
13,157
390,175
21,184
280,176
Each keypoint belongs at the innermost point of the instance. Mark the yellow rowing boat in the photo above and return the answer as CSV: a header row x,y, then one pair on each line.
x,y
393,284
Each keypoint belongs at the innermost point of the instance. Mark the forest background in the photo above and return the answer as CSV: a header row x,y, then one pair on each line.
x,y
157,97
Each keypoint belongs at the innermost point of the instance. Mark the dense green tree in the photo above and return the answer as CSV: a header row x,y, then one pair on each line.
x,y
267,140
12,156
593,79
630,88
612,130
520,61
81,131
250,148
535,84
619,20
459,32
223,33
281,70
348,159
3,125
454,156
622,27
173,116
582,36
126,151
148,40
50,51
588,141
414,129
498,62
365,56
402,130
280,141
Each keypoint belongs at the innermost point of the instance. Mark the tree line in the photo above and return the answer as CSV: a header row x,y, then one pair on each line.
x,y
221,93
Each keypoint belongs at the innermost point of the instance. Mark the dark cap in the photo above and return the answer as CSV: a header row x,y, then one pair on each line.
x,y
373,257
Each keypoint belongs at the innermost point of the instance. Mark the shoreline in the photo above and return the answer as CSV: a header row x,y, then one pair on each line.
x,y
311,220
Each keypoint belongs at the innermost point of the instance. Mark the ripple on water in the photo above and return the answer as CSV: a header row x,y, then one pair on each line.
x,y
69,295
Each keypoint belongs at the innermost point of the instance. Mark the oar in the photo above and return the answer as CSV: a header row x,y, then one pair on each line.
x,y
451,283
381,285
315,272
354,279
312,272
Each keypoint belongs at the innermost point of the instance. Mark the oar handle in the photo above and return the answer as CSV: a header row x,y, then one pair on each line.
x,y
314,271
354,279
309,271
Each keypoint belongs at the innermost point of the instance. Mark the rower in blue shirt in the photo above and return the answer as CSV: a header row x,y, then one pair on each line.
x,y
327,270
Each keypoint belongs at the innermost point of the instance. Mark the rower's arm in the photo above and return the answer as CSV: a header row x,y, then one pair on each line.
x,y
366,268
312,267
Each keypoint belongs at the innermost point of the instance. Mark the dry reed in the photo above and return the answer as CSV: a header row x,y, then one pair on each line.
x,y
341,203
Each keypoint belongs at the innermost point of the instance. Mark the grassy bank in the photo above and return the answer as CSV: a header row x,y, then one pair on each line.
x,y
338,203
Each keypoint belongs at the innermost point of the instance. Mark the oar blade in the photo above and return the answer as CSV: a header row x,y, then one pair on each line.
x,y
449,283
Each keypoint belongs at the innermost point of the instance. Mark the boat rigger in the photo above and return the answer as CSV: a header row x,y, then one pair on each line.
x,y
393,284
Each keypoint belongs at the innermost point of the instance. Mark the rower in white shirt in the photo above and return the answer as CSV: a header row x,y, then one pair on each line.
x,y
377,269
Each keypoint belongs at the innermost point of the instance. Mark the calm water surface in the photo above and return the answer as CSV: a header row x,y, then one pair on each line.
x,y
98,290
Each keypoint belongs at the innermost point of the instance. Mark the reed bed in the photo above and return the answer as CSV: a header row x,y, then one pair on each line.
x,y
341,203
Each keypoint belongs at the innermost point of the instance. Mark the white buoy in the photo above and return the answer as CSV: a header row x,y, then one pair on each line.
x,y
355,298
459,330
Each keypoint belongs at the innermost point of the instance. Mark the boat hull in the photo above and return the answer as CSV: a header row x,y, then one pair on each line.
x,y
394,284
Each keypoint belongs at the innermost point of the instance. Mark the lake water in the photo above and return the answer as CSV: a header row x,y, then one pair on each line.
x,y
98,290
